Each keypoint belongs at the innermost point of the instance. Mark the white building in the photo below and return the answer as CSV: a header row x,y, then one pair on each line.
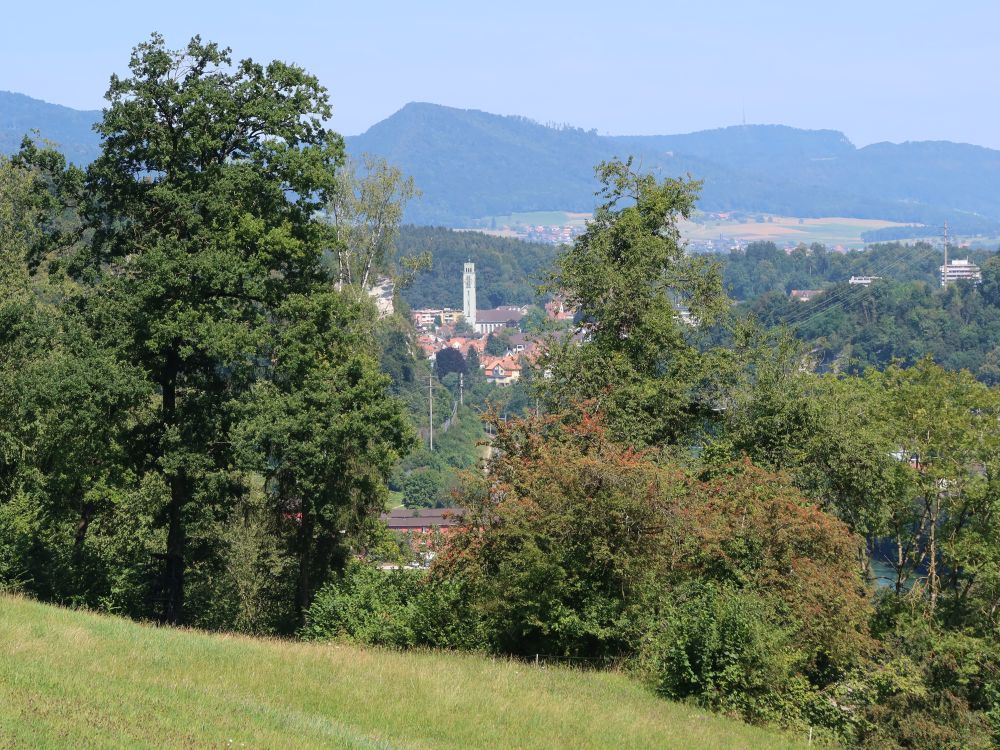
x,y
958,270
863,280
488,321
469,294
804,295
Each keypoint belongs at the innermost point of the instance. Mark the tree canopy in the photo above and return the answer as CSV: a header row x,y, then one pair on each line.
x,y
630,280
198,312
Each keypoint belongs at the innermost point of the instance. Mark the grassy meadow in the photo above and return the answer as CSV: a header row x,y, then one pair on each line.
x,y
72,679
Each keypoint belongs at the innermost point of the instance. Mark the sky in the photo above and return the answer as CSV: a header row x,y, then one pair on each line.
x,y
878,70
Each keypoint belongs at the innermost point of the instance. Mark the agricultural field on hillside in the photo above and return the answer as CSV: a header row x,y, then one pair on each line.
x,y
829,230
784,229
81,680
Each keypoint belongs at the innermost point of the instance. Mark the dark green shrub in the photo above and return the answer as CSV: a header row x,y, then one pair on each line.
x,y
722,647
367,605
397,608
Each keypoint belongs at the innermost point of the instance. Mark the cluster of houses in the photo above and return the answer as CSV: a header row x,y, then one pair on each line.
x,y
486,321
551,234
440,328
503,369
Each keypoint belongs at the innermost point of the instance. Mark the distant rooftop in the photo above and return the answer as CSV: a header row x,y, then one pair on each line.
x,y
420,518
499,315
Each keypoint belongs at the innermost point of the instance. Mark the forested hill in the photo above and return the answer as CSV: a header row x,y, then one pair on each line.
x,y
902,317
763,268
70,129
507,270
472,164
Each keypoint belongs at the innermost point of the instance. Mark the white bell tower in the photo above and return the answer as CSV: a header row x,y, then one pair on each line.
x,y
469,294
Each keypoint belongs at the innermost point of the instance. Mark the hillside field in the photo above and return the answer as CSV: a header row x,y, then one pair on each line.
x,y
71,679
828,230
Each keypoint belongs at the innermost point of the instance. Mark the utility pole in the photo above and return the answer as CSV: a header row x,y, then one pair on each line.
x,y
944,270
430,401
461,389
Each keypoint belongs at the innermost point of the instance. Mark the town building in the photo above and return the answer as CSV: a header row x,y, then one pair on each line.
x,y
520,343
863,280
557,310
428,318
422,520
502,370
429,344
804,295
422,529
488,321
959,270
464,344
685,316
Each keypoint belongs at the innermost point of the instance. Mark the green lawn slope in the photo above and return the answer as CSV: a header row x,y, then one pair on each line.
x,y
70,679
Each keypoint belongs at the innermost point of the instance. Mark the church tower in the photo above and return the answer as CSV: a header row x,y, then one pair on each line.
x,y
469,294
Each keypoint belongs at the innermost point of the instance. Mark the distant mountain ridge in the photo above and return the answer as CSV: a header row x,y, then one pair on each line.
x,y
71,129
472,164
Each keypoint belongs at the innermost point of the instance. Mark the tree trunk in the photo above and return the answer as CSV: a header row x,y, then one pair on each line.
x,y
303,590
81,528
176,539
174,605
900,560
932,575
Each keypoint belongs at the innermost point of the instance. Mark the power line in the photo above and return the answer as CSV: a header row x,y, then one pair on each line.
x,y
835,298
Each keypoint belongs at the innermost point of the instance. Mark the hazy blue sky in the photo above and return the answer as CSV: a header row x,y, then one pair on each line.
x,y
877,70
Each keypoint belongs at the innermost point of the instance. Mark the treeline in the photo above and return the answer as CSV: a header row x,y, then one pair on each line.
x,y
903,317
507,270
897,322
762,267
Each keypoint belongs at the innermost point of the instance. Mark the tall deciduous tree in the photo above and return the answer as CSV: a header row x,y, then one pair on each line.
x,y
322,430
203,205
66,402
946,426
632,282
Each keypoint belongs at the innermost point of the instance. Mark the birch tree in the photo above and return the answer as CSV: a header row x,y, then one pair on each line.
x,y
366,208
